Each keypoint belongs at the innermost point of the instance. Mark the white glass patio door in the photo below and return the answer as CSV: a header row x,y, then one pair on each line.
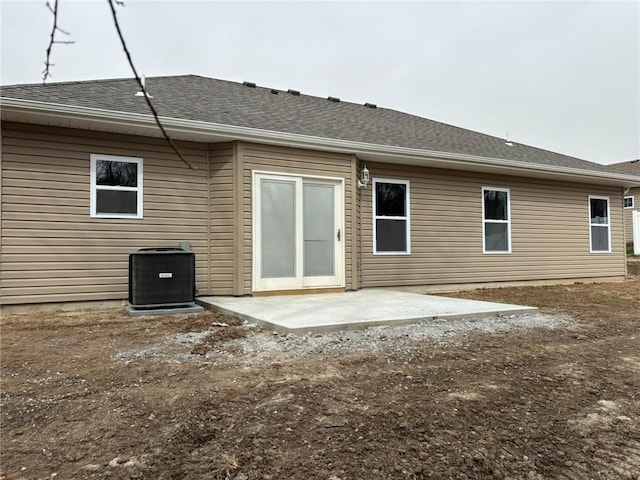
x,y
298,232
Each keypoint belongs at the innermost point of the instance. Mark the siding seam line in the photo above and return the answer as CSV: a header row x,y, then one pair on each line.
x,y
355,251
238,218
209,213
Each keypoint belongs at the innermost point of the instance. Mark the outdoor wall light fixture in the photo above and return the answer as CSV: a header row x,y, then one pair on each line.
x,y
364,178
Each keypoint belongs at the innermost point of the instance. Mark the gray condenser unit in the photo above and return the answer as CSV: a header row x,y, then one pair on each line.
x,y
162,277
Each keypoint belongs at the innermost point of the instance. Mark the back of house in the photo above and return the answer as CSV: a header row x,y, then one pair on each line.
x,y
278,192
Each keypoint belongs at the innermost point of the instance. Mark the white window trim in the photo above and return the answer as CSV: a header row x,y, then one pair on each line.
x,y
633,201
94,187
508,222
608,224
407,218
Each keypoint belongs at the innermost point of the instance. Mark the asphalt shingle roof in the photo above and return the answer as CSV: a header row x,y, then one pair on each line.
x,y
632,167
209,100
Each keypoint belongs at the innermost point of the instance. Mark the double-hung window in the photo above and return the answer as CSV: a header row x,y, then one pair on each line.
x,y
116,187
599,226
496,220
391,228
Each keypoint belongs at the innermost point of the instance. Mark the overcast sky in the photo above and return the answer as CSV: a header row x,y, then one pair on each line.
x,y
564,76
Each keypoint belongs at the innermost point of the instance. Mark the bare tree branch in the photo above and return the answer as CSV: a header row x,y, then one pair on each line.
x,y
63,31
47,63
112,4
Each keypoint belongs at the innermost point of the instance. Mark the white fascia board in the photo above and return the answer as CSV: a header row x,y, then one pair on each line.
x,y
385,153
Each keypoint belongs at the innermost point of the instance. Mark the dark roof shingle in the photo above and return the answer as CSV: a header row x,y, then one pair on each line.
x,y
632,167
210,100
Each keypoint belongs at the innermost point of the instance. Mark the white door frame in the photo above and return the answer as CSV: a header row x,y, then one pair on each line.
x,y
299,281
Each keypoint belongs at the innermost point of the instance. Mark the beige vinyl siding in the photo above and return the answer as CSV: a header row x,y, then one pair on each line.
x,y
354,244
221,218
549,231
628,214
53,251
296,162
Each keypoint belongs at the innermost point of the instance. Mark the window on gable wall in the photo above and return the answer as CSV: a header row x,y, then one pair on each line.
x,y
391,227
116,187
628,202
496,223
599,231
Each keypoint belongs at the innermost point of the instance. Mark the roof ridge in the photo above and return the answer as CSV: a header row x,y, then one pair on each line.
x,y
299,93
99,80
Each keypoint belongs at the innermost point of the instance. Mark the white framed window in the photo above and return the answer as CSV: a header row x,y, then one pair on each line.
x,y
628,202
496,220
116,187
391,218
599,224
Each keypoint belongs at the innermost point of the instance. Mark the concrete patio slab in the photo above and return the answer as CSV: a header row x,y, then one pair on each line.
x,y
353,310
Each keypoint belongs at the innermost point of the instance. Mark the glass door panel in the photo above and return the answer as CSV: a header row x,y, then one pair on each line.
x,y
319,230
278,222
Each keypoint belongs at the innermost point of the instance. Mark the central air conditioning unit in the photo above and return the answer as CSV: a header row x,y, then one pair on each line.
x,y
162,277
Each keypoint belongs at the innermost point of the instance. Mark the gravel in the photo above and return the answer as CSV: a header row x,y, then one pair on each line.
x,y
401,338
261,344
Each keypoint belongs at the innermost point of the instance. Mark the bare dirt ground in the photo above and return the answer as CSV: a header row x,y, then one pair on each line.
x,y
97,394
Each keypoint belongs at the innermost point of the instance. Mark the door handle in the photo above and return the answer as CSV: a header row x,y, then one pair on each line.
x,y
338,234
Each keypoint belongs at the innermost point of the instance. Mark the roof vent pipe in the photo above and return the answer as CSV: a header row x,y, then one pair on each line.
x,y
143,92
333,99
370,105
249,84
508,142
295,93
